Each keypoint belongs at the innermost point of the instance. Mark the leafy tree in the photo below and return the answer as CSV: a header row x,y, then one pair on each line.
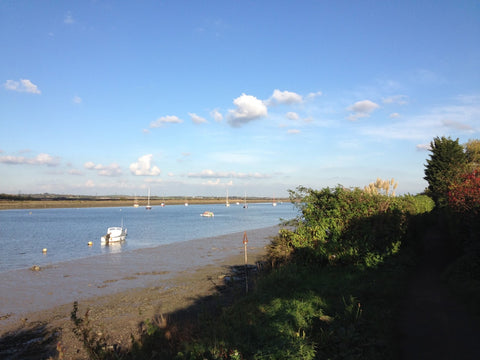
x,y
464,196
446,164
472,151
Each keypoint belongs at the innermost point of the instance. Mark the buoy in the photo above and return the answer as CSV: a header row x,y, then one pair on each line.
x,y
44,250
90,243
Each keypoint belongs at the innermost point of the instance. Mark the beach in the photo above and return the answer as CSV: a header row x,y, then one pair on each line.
x,y
120,290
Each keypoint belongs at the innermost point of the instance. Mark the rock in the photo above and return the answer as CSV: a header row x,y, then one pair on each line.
x,y
35,268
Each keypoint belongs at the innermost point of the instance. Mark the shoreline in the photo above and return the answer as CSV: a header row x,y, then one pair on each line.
x,y
128,288
66,204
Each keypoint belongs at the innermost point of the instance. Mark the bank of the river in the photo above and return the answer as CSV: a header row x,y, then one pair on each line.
x,y
194,271
52,204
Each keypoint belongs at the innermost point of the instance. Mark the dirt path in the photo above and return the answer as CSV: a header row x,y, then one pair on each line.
x,y
435,325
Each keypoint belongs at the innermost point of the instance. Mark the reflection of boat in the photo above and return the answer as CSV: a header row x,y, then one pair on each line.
x,y
148,207
207,214
114,234
111,248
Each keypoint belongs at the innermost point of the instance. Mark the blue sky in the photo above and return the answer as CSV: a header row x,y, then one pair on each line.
x,y
197,97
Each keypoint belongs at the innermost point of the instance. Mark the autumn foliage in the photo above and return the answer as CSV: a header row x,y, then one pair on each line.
x,y
464,196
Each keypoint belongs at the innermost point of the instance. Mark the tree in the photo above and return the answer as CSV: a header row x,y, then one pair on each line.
x,y
472,151
446,164
464,197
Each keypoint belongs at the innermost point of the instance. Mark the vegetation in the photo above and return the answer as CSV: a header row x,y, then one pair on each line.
x,y
333,289
335,281
446,164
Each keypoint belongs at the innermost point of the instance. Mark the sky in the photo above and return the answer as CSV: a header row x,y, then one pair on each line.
x,y
197,98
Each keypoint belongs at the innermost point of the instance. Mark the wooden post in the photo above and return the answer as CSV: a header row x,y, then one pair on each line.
x,y
245,242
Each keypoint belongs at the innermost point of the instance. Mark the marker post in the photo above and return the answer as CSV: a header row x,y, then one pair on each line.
x,y
245,242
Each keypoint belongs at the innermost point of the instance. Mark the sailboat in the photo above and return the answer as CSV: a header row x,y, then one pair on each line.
x,y
274,203
135,202
148,207
245,205
227,204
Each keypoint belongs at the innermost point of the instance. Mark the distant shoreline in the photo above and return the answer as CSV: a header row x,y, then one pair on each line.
x,y
85,203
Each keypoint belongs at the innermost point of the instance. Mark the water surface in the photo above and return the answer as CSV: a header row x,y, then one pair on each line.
x,y
65,233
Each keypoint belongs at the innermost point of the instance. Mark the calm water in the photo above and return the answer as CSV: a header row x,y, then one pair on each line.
x,y
66,232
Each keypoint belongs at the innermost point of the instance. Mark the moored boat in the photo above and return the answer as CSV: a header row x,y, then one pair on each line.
x,y
207,214
114,234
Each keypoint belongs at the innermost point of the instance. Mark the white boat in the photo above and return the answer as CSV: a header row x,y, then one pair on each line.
x,y
114,234
274,203
207,214
148,207
135,202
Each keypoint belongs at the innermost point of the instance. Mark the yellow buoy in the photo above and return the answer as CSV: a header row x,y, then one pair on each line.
x,y
44,250
90,243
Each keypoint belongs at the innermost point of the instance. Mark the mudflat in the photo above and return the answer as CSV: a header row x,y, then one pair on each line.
x,y
120,291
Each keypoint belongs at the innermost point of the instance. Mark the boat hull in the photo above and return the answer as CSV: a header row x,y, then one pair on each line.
x,y
114,234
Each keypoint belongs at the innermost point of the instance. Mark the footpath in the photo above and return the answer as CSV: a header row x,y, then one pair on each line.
x,y
434,324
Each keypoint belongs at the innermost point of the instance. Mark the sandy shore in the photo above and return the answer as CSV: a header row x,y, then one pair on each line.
x,y
121,290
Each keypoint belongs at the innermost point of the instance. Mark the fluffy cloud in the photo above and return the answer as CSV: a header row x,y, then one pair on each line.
x,y
24,85
284,97
104,170
394,115
197,119
248,108
144,166
210,174
292,115
169,119
362,109
40,159
293,131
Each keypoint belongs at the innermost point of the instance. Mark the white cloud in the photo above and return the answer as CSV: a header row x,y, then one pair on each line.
x,y
396,99
394,115
217,116
169,119
248,108
77,99
457,125
75,172
423,147
144,166
462,114
89,165
313,95
104,170
210,174
362,109
40,159
284,97
24,85
197,119
293,131
292,115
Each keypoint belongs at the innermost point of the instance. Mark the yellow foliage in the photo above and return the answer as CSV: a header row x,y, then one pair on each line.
x,y
382,187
